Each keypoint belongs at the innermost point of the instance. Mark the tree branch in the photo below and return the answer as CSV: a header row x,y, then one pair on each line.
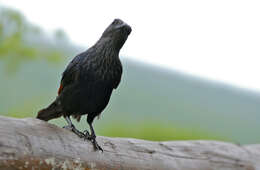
x,y
33,144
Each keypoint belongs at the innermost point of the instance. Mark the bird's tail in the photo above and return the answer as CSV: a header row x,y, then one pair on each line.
x,y
52,111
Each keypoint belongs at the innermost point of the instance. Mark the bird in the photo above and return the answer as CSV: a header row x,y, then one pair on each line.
x,y
89,80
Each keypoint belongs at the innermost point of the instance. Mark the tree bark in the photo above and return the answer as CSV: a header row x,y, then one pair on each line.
x,y
34,144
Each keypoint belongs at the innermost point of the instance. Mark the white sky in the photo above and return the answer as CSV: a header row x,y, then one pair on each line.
x,y
219,39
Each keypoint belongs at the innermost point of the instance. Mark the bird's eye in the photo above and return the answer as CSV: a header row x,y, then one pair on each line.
x,y
116,21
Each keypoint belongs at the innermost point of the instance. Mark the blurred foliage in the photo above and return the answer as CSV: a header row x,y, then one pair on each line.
x,y
150,103
157,131
20,41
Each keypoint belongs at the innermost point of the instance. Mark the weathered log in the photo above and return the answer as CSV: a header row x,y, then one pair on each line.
x,y
34,144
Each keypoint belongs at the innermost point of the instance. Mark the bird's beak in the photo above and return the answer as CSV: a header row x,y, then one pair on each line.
x,y
127,28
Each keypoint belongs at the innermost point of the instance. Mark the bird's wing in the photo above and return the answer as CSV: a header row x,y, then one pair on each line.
x,y
117,79
71,73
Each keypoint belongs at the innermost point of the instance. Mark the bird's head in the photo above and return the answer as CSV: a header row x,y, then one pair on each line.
x,y
116,33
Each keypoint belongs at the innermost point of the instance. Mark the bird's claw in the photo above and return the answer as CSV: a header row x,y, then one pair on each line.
x,y
86,133
80,134
68,127
93,140
74,130
96,146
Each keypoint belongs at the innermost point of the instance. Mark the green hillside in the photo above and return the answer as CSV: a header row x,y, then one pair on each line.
x,y
151,102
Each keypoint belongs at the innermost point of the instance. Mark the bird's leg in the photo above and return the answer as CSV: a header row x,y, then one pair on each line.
x,y
92,136
71,127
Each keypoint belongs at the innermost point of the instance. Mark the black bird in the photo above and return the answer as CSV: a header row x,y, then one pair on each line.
x,y
88,81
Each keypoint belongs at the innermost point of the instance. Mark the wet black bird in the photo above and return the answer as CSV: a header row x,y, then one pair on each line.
x,y
88,81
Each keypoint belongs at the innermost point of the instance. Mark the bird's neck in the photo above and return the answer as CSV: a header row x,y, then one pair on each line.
x,y
109,44
106,50
106,58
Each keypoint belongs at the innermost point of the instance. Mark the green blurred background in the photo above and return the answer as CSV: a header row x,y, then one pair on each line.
x,y
151,102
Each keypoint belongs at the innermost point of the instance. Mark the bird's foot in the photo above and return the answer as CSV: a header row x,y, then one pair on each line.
x,y
87,134
74,130
96,145
68,127
92,138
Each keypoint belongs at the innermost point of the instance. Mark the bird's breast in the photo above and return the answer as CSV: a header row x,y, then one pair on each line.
x,y
108,71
